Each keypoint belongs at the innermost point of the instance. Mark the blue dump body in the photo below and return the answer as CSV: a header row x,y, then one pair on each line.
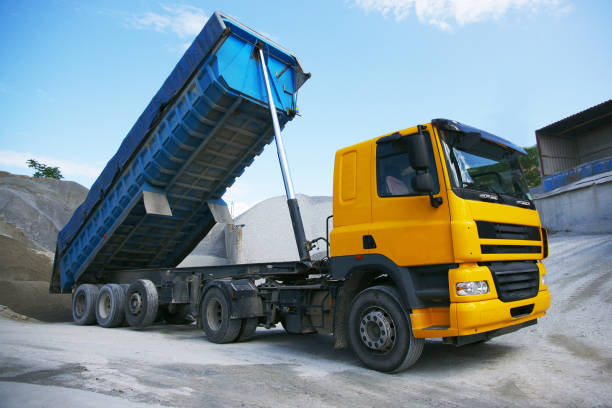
x,y
198,134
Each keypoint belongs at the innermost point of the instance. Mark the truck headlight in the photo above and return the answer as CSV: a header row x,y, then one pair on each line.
x,y
472,288
543,280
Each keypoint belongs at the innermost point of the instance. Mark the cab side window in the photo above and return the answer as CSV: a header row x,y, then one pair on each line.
x,y
394,174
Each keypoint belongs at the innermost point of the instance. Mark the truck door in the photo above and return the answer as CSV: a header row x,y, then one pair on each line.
x,y
405,227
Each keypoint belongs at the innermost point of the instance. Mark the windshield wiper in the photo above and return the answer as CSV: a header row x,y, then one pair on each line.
x,y
496,191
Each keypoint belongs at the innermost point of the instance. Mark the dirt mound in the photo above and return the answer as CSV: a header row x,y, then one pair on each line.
x,y
18,262
267,234
32,298
24,283
32,211
37,208
7,313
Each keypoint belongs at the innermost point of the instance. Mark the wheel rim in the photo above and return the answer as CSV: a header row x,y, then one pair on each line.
x,y
104,305
377,329
135,304
214,314
79,304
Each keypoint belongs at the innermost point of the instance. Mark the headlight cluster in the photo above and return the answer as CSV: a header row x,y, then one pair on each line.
x,y
543,280
472,288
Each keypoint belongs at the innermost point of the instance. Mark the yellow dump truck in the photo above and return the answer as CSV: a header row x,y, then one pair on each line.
x,y
434,232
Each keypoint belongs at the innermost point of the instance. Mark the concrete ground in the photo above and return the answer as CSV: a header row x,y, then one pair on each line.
x,y
565,360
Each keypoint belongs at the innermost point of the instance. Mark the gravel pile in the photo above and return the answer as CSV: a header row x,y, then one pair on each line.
x,y
32,211
267,235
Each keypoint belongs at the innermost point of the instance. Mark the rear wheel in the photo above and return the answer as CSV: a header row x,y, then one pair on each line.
x,y
216,322
380,332
142,303
110,307
84,301
248,328
177,314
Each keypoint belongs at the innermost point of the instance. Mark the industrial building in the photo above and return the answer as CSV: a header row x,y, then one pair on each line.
x,y
576,166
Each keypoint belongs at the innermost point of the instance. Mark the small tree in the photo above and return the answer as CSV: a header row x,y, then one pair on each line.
x,y
531,166
42,170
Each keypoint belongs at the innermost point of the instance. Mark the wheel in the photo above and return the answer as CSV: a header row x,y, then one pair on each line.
x,y
110,307
142,303
216,322
380,332
247,329
283,322
84,304
177,314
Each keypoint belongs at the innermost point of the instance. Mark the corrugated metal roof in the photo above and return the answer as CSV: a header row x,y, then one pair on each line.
x,y
580,122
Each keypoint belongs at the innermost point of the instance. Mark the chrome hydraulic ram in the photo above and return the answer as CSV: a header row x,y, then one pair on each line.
x,y
294,209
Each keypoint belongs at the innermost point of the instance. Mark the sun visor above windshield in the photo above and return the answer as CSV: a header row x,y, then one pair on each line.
x,y
448,124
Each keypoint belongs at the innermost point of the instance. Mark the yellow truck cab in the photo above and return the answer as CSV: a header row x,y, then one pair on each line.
x,y
439,217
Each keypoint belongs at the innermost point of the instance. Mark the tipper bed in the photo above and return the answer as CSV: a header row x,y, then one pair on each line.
x,y
152,203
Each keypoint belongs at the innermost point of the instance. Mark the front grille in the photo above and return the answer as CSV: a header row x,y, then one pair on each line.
x,y
515,280
510,249
497,230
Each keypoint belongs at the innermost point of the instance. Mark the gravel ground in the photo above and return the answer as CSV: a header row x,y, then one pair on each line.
x,y
565,360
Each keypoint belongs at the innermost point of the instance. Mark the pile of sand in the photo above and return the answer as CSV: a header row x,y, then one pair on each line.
x,y
32,211
24,283
267,234
8,313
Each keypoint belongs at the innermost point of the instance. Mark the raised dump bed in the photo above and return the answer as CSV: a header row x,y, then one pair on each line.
x,y
155,198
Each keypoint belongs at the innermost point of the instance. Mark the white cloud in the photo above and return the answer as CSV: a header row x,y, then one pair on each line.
x,y
183,20
446,13
67,167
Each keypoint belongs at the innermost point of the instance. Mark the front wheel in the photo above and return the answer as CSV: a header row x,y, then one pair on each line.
x,y
380,332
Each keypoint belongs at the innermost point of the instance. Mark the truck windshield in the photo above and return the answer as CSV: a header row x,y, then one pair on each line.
x,y
477,164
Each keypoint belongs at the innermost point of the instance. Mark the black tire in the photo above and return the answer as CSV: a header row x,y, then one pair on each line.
x,y
110,306
141,303
247,329
283,322
216,322
177,314
380,332
84,300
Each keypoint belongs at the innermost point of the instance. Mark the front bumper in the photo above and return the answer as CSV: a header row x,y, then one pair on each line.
x,y
472,318
487,315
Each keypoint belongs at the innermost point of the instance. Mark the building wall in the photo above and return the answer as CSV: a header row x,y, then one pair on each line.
x,y
557,153
586,210
595,144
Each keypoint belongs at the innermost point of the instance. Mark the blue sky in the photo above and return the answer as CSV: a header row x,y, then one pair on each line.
x,y
75,75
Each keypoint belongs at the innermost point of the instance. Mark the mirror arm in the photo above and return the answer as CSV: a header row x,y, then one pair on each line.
x,y
435,201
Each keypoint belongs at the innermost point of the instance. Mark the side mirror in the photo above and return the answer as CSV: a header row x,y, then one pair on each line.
x,y
418,152
423,183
